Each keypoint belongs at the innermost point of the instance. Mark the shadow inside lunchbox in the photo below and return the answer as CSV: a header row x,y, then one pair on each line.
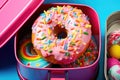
x,y
7,58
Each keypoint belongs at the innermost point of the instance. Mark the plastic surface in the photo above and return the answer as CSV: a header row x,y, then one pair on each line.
x,y
13,14
103,8
73,73
2,3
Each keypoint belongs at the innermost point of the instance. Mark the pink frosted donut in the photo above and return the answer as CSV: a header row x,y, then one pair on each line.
x,y
61,34
87,58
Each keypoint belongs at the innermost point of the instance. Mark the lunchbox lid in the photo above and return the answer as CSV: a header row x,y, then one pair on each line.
x,y
13,14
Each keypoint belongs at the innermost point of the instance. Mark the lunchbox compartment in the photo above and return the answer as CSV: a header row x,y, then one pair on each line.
x,y
112,24
81,73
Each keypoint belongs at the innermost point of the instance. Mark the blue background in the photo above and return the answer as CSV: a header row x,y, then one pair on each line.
x,y
103,7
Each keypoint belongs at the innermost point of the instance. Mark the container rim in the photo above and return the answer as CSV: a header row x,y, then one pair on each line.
x,y
99,42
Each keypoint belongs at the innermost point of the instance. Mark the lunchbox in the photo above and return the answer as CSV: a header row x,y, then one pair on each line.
x,y
21,25
112,24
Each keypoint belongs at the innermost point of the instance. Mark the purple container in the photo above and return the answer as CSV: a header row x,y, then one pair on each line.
x,y
82,73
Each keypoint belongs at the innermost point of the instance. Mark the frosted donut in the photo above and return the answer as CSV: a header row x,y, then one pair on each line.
x,y
61,34
28,56
87,58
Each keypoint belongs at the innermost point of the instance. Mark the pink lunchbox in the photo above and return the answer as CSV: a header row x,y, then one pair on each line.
x,y
21,18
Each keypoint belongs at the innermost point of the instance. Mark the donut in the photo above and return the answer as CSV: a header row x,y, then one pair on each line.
x,y
28,56
86,59
61,34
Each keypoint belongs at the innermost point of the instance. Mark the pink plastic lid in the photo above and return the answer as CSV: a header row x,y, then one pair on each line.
x,y
13,14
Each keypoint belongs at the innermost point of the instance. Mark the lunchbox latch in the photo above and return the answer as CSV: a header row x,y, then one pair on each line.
x,y
58,75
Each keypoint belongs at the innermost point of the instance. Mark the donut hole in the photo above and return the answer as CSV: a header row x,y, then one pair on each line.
x,y
32,51
60,32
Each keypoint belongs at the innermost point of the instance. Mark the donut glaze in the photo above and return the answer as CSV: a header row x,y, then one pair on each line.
x,y
87,58
28,56
61,34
